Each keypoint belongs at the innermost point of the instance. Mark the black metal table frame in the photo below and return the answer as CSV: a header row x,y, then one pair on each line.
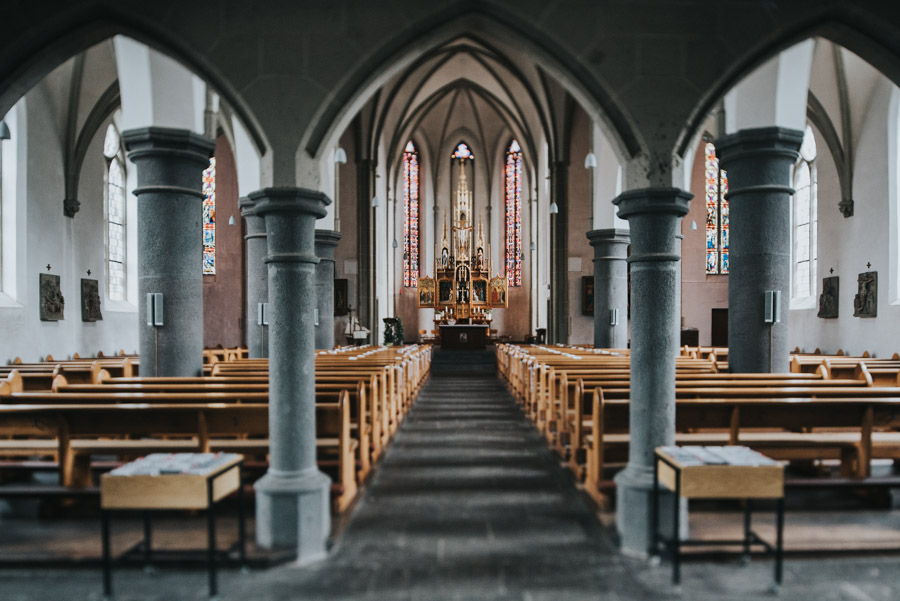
x,y
210,525
675,543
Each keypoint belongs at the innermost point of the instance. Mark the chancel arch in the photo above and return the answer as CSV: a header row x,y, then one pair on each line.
x,y
288,177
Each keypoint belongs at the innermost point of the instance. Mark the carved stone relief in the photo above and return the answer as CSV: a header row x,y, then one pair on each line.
x,y
865,303
90,300
828,300
52,301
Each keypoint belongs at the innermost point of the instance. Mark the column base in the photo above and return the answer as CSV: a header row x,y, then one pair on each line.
x,y
293,510
634,489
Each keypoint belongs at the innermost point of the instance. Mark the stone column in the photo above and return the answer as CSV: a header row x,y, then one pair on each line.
x,y
170,164
365,226
653,215
679,310
326,241
257,279
758,162
558,318
292,499
610,286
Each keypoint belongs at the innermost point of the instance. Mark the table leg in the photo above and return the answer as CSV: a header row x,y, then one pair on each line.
x,y
654,511
211,533
676,530
148,539
779,541
107,560
747,531
242,520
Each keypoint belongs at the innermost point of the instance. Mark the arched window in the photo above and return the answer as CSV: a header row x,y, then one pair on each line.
x,y
462,152
716,214
115,214
804,215
514,214
209,218
411,215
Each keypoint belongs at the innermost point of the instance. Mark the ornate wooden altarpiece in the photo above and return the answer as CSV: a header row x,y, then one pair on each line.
x,y
462,289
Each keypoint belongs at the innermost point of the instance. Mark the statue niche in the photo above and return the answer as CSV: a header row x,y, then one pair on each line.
x,y
865,303
828,300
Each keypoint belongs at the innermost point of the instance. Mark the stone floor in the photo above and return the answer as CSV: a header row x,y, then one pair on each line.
x,y
469,504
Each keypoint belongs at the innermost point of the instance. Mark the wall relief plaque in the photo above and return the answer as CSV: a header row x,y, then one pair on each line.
x,y
865,303
52,301
90,300
587,295
828,300
341,298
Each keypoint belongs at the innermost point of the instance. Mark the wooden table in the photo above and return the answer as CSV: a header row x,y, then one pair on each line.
x,y
731,472
163,481
464,336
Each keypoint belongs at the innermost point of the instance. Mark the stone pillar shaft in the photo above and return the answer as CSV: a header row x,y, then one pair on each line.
x,y
758,162
326,241
293,496
257,279
653,215
610,286
170,164
365,244
558,319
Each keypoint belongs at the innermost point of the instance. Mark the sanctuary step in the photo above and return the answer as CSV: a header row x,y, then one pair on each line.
x,y
461,362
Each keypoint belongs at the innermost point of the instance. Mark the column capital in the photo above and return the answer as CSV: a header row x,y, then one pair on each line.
x,y
160,141
256,224
653,201
327,237
247,207
609,236
290,215
759,142
289,201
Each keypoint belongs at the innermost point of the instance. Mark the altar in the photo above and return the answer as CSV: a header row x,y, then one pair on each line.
x,y
464,336
463,293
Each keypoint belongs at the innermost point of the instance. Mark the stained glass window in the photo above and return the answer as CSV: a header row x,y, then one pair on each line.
x,y
716,214
411,215
115,215
514,214
209,218
462,152
805,219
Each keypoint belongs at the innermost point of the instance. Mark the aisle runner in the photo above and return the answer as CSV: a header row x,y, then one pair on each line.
x,y
468,504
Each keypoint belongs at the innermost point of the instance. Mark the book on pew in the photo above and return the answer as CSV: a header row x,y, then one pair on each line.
x,y
157,464
727,455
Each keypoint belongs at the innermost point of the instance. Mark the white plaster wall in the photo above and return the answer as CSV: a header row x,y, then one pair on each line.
x,y
607,183
774,94
157,90
12,212
246,160
846,245
71,246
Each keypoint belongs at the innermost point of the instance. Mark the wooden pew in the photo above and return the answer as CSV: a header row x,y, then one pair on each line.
x,y
782,428
192,390
73,432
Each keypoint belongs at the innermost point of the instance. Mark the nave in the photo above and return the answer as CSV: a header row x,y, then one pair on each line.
x,y
470,503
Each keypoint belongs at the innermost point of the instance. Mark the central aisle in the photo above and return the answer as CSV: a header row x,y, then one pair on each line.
x,y
469,503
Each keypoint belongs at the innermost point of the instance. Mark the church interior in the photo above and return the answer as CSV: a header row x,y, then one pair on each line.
x,y
456,300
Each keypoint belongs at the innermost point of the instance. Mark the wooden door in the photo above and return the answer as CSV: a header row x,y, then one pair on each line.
x,y
719,327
